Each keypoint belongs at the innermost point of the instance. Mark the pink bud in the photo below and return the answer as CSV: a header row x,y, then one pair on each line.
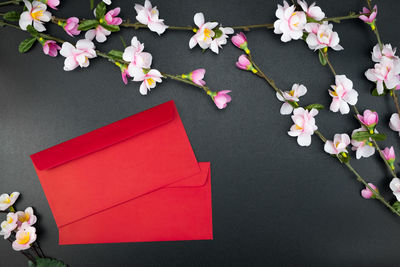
x,y
51,48
367,193
111,17
369,118
71,26
53,3
371,17
244,63
125,75
389,155
222,98
240,41
197,76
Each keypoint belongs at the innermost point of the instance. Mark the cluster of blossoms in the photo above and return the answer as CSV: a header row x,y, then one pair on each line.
x,y
18,223
307,24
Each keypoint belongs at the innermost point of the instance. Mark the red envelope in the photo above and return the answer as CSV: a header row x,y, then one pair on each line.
x,y
119,173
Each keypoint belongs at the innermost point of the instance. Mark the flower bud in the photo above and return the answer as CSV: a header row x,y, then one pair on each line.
x,y
240,41
245,64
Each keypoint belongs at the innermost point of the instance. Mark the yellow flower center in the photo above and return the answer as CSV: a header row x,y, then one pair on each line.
x,y
24,218
150,81
207,33
334,93
9,220
298,127
291,92
24,238
337,144
36,15
7,200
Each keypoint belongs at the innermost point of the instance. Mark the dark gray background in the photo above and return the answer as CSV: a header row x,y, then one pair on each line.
x,y
274,203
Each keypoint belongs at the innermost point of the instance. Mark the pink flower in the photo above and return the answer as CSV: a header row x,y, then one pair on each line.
x,y
197,76
221,99
338,145
148,15
52,3
125,75
386,72
6,201
244,63
26,216
304,125
218,41
149,79
290,22
362,148
369,119
111,16
321,36
371,17
35,15
312,11
293,96
389,155
24,237
367,193
204,34
240,41
9,225
99,32
51,48
79,55
342,95
71,26
137,58
395,186
387,51
394,123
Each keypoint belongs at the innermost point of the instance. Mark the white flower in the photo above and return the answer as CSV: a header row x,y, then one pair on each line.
x,y
221,40
137,58
304,125
79,55
312,11
26,216
342,95
25,236
7,201
204,34
321,35
338,145
9,225
290,23
293,95
395,186
36,13
386,72
149,79
394,123
362,148
148,15
387,51
99,32
108,2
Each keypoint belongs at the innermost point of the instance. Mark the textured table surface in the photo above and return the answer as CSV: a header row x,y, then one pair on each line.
x,y
274,203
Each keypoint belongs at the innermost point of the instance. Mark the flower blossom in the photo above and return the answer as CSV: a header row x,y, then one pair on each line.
x,y
9,225
390,156
125,74
312,11
107,2
394,123
79,55
136,57
99,32
221,98
26,216
24,237
111,17
196,76
395,187
304,125
7,201
372,16
240,41
36,13
387,51
51,48
148,15
51,3
71,26
321,36
149,79
369,119
338,145
290,22
367,193
204,34
362,148
385,74
342,95
220,38
293,96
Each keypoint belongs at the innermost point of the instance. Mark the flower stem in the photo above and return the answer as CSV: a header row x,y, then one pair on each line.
x,y
28,255
177,78
12,2
375,30
338,19
395,100
325,55
383,158
39,248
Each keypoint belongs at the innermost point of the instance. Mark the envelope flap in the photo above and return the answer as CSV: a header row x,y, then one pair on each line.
x,y
105,136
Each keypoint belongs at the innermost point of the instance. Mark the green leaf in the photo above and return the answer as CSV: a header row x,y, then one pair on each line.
x,y
91,4
116,54
26,44
375,92
361,136
11,16
378,137
322,59
111,28
100,10
31,264
396,205
316,106
47,262
218,33
32,31
88,24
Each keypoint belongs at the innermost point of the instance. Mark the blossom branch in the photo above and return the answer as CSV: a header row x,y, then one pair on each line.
x,y
12,2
